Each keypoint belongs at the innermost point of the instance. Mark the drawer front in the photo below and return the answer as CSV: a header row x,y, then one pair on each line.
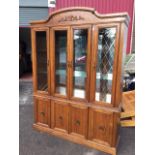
x,y
79,120
61,112
42,111
101,126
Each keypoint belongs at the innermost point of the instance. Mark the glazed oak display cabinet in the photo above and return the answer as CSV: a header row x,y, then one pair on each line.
x,y
77,75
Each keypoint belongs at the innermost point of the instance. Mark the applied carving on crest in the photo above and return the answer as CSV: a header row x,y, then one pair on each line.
x,y
71,18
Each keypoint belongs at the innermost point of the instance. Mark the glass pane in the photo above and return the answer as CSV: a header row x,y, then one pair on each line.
x,y
80,57
41,49
104,70
60,61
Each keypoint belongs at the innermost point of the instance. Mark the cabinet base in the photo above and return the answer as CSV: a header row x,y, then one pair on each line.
x,y
75,139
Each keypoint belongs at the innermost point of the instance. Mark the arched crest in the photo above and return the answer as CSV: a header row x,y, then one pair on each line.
x,y
80,15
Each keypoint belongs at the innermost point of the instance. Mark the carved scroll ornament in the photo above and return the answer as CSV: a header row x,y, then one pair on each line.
x,y
70,18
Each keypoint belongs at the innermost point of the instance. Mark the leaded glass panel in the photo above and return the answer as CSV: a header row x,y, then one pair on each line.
x,y
105,60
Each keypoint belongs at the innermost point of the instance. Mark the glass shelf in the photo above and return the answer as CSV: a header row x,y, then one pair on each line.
x,y
80,93
107,98
61,90
100,76
81,74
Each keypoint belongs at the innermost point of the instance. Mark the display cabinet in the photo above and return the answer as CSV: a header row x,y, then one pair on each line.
x,y
77,75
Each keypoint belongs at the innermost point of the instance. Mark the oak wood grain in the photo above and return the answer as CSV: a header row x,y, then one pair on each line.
x,y
84,121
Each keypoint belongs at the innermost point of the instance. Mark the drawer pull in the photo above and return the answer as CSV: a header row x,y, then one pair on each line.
x,y
60,118
42,113
77,122
102,128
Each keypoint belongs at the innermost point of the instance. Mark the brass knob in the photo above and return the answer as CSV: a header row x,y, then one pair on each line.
x,y
42,113
94,66
77,122
102,128
60,118
70,64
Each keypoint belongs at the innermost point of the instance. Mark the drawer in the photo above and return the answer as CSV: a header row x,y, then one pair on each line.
x,y
60,118
79,120
101,126
42,111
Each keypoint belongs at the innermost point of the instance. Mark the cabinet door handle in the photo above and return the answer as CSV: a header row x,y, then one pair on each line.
x,y
77,122
70,64
102,128
42,113
94,66
60,118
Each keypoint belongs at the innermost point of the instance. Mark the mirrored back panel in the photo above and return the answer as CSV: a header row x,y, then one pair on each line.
x,y
60,62
80,45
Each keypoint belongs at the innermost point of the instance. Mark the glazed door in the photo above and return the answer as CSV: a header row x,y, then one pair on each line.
x,y
80,62
59,43
103,67
40,55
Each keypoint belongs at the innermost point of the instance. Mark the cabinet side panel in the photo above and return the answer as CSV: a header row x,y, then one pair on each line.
x,y
116,124
35,110
120,66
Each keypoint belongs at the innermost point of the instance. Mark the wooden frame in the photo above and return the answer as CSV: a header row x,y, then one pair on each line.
x,y
34,57
52,57
81,27
83,121
94,61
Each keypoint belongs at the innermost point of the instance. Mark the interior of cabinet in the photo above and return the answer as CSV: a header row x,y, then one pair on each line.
x,y
41,51
60,38
80,42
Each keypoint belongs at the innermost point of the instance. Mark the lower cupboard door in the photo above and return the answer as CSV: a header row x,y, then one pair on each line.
x,y
101,126
60,118
78,120
42,111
